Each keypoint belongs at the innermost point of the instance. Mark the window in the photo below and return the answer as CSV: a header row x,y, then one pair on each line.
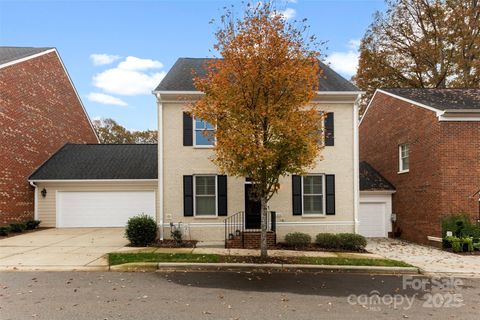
x,y
403,154
205,188
204,133
312,193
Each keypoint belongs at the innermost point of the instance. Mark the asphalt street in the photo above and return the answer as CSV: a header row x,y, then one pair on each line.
x,y
231,295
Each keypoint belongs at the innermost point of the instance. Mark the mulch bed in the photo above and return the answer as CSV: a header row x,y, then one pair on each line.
x,y
314,247
13,234
258,259
168,243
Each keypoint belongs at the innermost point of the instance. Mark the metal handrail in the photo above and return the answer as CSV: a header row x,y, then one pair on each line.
x,y
235,226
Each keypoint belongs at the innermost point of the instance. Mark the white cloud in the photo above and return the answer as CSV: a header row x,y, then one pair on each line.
x,y
345,63
134,63
106,99
292,1
100,59
288,13
130,78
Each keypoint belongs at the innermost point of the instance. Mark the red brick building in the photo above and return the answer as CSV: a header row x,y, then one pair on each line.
x,y
426,142
40,111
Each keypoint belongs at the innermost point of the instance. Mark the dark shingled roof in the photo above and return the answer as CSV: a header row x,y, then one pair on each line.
x,y
8,54
372,180
100,161
179,78
441,99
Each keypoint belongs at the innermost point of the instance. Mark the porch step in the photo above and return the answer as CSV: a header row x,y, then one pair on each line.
x,y
251,240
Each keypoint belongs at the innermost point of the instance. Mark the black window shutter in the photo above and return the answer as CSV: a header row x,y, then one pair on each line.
x,y
222,195
297,195
329,129
188,196
330,194
187,130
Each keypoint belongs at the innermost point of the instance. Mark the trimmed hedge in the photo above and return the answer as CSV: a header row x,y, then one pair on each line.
x,y
18,227
32,224
327,241
141,230
4,231
345,241
298,240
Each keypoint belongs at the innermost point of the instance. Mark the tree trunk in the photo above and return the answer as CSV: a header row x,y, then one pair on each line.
x,y
263,235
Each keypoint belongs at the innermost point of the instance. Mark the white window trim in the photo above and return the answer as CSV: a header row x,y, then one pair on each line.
x,y
195,196
201,146
400,163
324,203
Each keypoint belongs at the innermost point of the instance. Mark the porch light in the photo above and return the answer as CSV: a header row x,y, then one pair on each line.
x,y
44,192
237,232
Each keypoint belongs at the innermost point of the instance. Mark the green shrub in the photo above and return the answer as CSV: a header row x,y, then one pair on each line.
x,y
18,227
4,231
177,235
459,224
476,246
456,243
298,240
32,224
467,244
352,241
327,240
141,230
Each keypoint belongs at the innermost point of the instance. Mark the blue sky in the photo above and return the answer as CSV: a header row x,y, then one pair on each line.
x,y
117,51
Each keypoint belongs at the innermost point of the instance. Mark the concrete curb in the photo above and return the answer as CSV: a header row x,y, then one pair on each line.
x,y
172,267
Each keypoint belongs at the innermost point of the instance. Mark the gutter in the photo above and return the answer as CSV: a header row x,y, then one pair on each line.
x,y
160,163
356,164
35,201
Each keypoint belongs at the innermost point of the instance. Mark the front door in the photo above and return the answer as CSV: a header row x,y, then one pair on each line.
x,y
252,209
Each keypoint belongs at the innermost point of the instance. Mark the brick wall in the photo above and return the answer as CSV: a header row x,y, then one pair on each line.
x,y
39,113
251,241
388,123
460,162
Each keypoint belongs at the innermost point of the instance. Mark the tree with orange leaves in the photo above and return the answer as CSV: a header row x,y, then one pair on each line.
x,y
257,97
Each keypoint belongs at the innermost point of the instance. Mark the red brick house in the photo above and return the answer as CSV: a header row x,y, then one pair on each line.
x,y
426,142
40,111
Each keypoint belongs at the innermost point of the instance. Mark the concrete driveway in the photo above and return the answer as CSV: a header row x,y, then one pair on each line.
x,y
61,249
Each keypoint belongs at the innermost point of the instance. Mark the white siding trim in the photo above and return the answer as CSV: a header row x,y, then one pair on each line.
x,y
94,180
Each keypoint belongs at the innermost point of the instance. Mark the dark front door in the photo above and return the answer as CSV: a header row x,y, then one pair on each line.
x,y
252,209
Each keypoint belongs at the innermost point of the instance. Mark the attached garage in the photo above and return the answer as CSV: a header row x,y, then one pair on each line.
x,y
102,208
375,210
96,185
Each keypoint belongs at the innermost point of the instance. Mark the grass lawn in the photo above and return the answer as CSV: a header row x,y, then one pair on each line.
x,y
126,257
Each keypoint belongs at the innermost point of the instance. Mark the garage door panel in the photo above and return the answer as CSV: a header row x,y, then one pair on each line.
x,y
102,209
372,220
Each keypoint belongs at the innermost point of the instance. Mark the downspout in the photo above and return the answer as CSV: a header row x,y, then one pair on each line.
x,y
35,201
160,163
356,160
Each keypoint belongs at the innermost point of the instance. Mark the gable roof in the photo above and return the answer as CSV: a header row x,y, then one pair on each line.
x,y
372,180
179,77
440,99
100,161
10,54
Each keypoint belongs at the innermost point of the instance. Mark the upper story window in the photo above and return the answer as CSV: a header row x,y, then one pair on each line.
x,y
403,156
312,192
205,188
203,133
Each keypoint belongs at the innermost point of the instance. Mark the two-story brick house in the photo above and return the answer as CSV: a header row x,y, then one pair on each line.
x,y
40,111
427,143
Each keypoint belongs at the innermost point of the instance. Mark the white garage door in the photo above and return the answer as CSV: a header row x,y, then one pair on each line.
x,y
372,220
102,209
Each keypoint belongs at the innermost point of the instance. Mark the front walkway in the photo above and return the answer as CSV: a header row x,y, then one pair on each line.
x,y
429,259
61,249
